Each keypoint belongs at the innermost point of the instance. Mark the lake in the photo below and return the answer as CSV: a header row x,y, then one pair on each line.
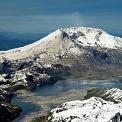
x,y
46,97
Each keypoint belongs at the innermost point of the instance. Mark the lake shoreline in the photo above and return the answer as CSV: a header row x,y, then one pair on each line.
x,y
50,101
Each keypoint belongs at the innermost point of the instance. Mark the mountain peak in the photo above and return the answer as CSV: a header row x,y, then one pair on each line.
x,y
66,41
87,36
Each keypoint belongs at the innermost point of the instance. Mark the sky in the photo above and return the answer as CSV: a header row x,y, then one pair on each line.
x,y
44,16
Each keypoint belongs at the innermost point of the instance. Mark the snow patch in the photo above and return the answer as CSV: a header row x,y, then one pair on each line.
x,y
114,93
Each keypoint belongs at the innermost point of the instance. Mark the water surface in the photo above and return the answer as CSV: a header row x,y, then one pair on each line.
x,y
66,85
62,91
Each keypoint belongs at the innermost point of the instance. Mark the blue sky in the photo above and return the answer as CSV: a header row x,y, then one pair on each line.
x,y
32,16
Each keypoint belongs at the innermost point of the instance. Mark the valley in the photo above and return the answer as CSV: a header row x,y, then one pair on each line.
x,y
48,97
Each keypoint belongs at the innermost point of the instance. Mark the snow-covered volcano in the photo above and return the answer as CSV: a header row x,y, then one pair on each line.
x,y
66,41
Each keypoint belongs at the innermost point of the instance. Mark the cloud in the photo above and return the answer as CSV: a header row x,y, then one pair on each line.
x,y
44,23
47,16
50,22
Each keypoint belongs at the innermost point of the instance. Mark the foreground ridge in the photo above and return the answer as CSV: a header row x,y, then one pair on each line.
x,y
94,109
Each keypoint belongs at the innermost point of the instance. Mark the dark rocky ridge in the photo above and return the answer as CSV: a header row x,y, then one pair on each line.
x,y
8,112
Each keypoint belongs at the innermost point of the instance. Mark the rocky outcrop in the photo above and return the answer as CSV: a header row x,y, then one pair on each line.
x,y
113,94
30,74
5,96
8,112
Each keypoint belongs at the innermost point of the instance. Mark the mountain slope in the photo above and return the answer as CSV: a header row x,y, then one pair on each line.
x,y
90,53
65,41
